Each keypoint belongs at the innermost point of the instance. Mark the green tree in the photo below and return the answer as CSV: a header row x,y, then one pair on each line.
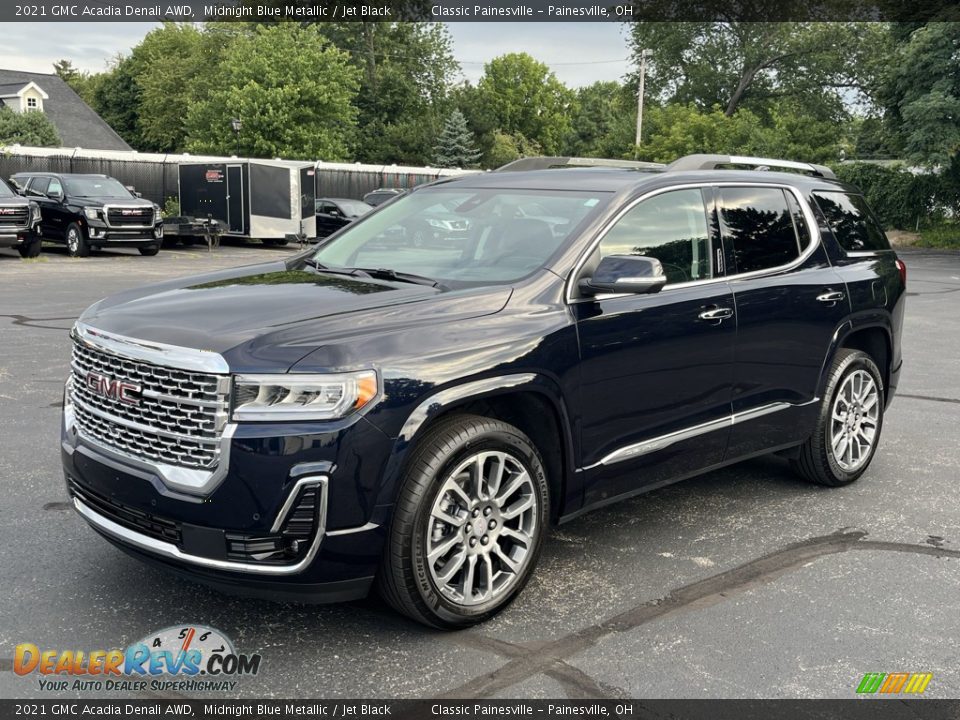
x,y
524,97
753,64
27,128
115,96
456,147
291,88
603,121
922,94
406,73
505,148
165,66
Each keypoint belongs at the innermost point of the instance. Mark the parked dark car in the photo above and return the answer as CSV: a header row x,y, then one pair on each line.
x,y
19,222
375,413
335,213
381,195
91,212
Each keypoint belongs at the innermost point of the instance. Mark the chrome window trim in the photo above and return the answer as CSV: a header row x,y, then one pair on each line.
x,y
157,353
660,442
808,216
171,551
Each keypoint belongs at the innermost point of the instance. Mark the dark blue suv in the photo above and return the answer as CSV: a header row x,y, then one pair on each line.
x,y
380,411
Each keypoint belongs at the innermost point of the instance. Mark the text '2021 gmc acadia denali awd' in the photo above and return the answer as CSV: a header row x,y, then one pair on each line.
x,y
416,415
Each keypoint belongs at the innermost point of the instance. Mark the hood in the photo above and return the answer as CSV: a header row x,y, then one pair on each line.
x,y
264,318
113,201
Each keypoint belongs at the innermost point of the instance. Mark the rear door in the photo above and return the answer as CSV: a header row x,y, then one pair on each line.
x,y
790,303
236,210
656,371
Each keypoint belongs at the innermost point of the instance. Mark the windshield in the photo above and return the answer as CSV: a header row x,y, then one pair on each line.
x,y
355,207
463,237
5,191
95,187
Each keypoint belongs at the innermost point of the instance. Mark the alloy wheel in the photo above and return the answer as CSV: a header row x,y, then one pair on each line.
x,y
481,528
854,419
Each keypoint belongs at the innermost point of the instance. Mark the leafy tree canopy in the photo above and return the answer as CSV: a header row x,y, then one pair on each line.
x,y
292,90
27,128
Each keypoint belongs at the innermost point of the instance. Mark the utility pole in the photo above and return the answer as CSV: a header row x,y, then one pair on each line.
x,y
644,54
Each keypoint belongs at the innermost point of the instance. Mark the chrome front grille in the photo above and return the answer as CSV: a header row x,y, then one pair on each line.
x,y
166,415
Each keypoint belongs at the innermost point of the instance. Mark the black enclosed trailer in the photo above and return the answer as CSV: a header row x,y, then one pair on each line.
x,y
270,200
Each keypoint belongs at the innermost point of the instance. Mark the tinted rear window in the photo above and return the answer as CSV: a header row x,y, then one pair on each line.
x,y
760,224
853,223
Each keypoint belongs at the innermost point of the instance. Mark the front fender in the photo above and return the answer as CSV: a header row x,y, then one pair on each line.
x,y
448,398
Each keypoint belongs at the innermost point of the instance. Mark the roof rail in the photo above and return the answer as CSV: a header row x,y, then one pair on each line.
x,y
546,163
714,162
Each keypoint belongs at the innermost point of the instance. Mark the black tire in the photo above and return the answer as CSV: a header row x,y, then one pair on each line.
x,y
31,248
276,242
817,462
404,580
76,239
149,250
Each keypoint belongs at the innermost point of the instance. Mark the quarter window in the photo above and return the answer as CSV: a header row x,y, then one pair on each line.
x,y
671,227
760,225
854,226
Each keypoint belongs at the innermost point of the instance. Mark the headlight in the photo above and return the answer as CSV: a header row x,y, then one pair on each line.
x,y
91,213
302,397
34,213
442,224
157,215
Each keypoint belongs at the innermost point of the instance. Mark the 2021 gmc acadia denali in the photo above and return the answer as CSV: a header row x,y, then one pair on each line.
x,y
415,416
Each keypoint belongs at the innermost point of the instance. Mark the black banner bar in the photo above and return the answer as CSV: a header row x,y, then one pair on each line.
x,y
476,10
873,708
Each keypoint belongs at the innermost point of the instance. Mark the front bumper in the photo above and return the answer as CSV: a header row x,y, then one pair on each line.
x,y
99,233
269,465
11,238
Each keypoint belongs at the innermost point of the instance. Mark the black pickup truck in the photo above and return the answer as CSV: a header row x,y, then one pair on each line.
x,y
19,223
376,412
91,211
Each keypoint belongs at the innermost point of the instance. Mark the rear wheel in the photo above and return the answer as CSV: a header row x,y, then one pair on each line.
x,y
469,523
31,248
77,244
847,432
149,250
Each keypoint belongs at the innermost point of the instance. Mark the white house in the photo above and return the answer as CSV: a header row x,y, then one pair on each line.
x,y
22,97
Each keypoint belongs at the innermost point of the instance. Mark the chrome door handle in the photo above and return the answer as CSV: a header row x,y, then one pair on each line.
x,y
832,296
716,314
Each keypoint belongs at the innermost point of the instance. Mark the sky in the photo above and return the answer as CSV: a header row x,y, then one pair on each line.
x,y
579,53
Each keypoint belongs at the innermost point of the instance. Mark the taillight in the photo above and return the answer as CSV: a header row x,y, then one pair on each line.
x,y
902,268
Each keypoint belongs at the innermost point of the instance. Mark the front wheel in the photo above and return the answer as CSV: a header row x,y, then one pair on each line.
x,y
468,525
31,248
149,250
77,244
847,432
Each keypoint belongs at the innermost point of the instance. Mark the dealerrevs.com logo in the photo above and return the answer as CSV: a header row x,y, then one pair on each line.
x,y
179,658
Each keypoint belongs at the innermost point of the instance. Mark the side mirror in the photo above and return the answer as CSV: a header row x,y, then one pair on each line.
x,y
637,274
56,195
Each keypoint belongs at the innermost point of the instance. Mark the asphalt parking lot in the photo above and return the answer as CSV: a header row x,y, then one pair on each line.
x,y
742,583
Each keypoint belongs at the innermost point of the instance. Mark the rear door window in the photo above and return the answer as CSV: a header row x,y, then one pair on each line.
x,y
854,225
760,226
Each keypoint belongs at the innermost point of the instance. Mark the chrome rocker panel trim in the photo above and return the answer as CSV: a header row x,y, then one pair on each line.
x,y
663,441
172,552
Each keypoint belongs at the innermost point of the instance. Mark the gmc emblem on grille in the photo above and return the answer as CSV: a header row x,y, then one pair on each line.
x,y
113,389
8,211
132,212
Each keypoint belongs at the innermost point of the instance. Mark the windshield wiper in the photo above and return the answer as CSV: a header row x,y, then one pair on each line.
x,y
378,274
